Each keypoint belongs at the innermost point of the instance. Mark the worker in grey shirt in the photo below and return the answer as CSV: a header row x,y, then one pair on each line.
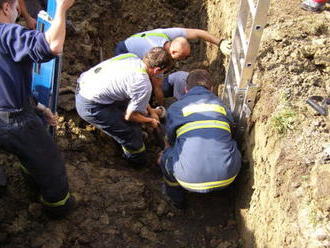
x,y
173,40
114,96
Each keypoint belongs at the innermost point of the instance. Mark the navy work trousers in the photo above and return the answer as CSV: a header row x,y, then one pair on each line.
x,y
110,119
120,48
25,135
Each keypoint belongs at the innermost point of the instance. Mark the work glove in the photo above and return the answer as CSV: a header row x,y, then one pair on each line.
x,y
225,47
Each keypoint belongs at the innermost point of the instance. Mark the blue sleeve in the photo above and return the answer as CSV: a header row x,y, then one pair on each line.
x,y
171,123
173,33
21,44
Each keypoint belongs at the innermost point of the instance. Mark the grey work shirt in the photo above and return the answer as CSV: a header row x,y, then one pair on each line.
x,y
117,80
141,43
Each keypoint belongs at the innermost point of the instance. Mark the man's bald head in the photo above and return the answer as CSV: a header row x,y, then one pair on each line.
x,y
179,48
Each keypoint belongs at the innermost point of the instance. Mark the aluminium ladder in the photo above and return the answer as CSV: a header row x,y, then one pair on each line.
x,y
239,92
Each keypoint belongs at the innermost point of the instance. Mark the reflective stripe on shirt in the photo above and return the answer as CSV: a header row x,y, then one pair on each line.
x,y
203,107
202,124
145,35
122,57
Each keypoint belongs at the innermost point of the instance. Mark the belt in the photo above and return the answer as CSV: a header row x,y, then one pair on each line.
x,y
6,115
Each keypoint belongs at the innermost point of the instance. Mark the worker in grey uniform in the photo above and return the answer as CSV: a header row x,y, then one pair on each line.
x,y
201,155
174,41
114,96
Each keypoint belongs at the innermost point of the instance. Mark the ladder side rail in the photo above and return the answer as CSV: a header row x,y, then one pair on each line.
x,y
254,42
229,88
252,8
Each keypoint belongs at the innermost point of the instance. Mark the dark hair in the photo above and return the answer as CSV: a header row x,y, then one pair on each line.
x,y
158,57
199,77
6,1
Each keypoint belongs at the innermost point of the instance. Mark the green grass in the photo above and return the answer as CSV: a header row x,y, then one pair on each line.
x,y
283,121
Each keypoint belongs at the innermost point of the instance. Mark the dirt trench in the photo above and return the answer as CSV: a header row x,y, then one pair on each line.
x,y
281,198
119,206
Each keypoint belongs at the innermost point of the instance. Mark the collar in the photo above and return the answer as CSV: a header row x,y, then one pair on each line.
x,y
198,90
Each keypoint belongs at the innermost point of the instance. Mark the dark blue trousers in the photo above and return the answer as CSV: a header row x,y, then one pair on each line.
x,y
25,135
120,48
110,119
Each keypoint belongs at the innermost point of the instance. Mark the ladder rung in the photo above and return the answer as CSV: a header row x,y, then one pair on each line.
x,y
252,8
242,36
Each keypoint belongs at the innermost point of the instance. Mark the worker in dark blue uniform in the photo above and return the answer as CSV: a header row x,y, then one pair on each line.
x,y
201,154
21,130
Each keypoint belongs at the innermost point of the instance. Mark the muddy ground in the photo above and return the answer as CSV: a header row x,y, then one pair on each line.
x,y
119,206
281,198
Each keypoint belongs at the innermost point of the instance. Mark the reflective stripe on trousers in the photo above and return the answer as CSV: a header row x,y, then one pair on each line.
x,y
55,204
207,185
130,151
202,124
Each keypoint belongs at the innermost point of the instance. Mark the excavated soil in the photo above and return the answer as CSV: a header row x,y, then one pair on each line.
x,y
119,206
281,198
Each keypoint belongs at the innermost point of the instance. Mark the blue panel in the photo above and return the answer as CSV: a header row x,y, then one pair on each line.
x,y
51,8
43,74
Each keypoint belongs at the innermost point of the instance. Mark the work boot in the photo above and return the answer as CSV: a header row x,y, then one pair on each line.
x,y
313,6
60,212
174,196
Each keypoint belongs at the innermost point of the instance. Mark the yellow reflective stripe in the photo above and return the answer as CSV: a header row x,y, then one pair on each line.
x,y
24,169
129,55
142,149
207,185
197,108
169,183
124,56
144,35
55,204
143,70
202,124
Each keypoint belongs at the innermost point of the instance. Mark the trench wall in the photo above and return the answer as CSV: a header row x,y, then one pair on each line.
x,y
282,201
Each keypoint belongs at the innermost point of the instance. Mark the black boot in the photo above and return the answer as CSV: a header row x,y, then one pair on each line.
x,y
174,195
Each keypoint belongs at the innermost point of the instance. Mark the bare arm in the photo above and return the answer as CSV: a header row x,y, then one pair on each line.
x,y
158,90
201,34
140,118
30,21
55,35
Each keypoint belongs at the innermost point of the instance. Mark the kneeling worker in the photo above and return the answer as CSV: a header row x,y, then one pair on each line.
x,y
202,156
114,96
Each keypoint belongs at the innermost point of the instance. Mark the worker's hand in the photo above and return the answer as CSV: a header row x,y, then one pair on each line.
x,y
154,122
225,47
31,23
154,113
50,117
64,4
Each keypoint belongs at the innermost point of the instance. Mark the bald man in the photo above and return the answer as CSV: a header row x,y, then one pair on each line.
x,y
173,40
